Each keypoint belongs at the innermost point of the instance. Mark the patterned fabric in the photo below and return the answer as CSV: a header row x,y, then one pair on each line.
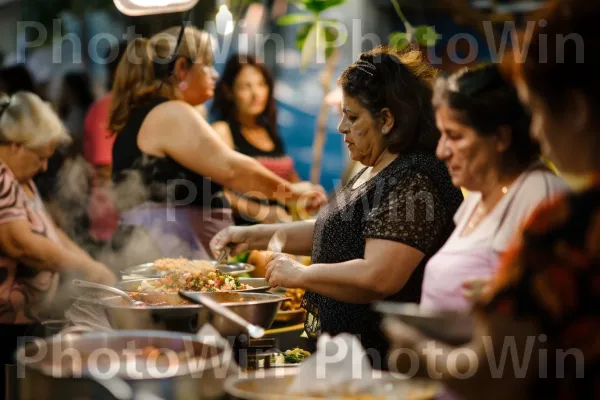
x,y
412,201
553,275
22,288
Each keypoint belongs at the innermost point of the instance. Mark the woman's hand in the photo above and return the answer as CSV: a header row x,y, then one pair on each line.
x,y
309,197
236,237
99,273
474,289
284,271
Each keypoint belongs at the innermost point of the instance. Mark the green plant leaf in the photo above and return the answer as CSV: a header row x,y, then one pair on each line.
x,y
294,19
399,40
308,47
335,32
318,6
426,35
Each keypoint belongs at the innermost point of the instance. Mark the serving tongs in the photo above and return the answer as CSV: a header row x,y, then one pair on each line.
x,y
224,255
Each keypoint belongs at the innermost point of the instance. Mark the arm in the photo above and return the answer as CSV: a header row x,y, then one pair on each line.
x,y
377,276
299,237
18,242
263,213
195,145
69,244
222,129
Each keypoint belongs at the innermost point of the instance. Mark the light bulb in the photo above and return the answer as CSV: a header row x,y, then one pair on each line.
x,y
224,21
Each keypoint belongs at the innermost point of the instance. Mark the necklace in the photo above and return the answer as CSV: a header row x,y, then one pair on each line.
x,y
481,212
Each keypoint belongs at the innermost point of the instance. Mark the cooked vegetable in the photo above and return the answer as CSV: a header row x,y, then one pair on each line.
x,y
296,356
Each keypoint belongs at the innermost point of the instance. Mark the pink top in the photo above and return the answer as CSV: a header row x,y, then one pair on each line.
x,y
23,288
476,256
281,166
97,150
97,140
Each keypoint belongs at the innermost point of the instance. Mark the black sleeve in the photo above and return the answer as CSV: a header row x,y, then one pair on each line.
x,y
409,211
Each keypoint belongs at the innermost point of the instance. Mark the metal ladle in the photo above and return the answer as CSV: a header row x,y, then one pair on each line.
x,y
254,331
93,285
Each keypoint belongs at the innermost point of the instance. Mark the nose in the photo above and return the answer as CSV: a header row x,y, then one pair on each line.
x,y
442,150
343,126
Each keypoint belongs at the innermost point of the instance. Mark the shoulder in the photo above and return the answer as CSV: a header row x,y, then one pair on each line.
x,y
178,117
11,201
541,183
537,186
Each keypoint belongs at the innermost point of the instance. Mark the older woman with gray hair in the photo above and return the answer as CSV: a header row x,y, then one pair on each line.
x,y
33,251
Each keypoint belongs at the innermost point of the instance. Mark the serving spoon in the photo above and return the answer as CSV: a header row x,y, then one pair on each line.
x,y
106,288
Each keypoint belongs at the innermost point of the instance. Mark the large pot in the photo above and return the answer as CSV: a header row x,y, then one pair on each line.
x,y
273,384
257,308
64,366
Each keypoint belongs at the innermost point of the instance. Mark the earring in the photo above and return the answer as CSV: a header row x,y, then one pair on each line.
x,y
384,131
183,86
358,133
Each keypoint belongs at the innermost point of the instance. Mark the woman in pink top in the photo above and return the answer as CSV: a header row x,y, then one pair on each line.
x,y
486,145
97,150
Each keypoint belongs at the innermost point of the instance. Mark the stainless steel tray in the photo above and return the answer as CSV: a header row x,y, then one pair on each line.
x,y
147,270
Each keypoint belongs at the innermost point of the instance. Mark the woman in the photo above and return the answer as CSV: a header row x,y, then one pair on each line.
x,y
97,150
373,240
33,251
247,120
486,146
179,162
544,301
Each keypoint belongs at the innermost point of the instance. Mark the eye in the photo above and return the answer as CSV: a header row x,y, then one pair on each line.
x,y
351,118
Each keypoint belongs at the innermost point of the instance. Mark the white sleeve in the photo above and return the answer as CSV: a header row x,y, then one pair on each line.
x,y
538,186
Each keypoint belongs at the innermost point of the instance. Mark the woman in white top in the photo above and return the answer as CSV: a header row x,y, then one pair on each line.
x,y
486,145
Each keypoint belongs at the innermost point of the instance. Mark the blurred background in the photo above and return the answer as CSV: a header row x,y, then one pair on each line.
x,y
55,37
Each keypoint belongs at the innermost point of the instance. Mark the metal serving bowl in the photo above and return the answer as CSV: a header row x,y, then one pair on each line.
x,y
257,308
273,385
147,270
257,285
447,326
63,366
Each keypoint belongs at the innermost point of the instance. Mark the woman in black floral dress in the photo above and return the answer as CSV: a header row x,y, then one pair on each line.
x,y
374,238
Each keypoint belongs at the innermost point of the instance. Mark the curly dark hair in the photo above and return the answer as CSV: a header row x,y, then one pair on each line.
x,y
485,101
383,78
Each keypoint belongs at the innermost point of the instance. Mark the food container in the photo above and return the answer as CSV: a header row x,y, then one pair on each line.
x,y
97,366
454,328
257,308
257,285
273,385
147,270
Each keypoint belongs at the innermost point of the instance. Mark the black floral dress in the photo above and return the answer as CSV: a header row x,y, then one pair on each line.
x,y
411,201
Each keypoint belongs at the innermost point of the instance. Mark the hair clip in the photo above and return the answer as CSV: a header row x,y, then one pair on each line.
x,y
364,70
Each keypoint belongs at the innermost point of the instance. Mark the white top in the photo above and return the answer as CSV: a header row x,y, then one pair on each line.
x,y
476,255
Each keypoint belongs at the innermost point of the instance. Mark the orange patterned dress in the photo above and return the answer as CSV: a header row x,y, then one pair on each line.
x,y
23,288
553,275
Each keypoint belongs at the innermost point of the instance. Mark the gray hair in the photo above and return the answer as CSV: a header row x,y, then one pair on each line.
x,y
28,120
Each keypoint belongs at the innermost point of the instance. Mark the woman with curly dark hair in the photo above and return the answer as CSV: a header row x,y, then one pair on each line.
x,y
374,238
